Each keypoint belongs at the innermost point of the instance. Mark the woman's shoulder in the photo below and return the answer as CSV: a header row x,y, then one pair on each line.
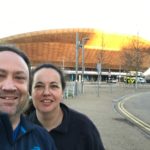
x,y
78,118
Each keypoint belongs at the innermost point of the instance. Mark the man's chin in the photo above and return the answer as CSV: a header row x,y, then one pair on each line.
x,y
8,111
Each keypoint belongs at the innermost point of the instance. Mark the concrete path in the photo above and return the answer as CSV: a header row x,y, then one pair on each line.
x,y
117,132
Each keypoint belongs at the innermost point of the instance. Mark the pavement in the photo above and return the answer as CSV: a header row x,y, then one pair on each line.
x,y
116,131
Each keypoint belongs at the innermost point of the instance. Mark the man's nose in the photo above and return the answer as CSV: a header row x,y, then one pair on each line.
x,y
9,84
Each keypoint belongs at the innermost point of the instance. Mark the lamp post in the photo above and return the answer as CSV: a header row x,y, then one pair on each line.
x,y
79,45
83,67
76,67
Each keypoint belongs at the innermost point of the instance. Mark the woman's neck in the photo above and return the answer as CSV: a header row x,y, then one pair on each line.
x,y
50,120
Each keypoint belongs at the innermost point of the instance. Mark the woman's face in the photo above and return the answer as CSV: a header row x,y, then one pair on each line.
x,y
47,90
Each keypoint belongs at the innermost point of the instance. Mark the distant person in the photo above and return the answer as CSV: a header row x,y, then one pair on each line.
x,y
70,129
16,132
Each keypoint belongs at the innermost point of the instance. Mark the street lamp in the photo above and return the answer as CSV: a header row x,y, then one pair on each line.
x,y
84,39
76,77
79,45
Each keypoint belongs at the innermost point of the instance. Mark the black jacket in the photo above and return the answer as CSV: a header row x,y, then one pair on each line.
x,y
30,136
76,132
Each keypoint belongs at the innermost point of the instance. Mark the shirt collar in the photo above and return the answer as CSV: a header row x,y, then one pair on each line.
x,y
64,126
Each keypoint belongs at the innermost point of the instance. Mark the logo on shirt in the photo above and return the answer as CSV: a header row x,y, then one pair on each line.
x,y
36,148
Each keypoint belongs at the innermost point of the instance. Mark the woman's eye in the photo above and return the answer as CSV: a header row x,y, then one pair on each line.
x,y
39,86
54,86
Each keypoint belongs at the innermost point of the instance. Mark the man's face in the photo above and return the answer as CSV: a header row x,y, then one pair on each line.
x,y
14,80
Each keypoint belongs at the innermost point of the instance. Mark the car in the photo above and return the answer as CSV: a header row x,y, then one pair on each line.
x,y
112,80
141,80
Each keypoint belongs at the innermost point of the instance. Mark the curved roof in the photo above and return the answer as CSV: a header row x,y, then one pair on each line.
x,y
59,47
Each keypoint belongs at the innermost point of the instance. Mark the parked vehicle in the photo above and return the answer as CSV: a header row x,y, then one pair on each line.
x,y
112,80
132,79
141,80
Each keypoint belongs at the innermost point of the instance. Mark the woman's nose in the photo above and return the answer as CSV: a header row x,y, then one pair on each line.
x,y
46,91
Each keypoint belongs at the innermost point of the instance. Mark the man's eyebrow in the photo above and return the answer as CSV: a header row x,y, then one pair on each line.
x,y
16,72
20,72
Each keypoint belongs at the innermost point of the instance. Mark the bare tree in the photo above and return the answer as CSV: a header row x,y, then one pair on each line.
x,y
100,56
132,55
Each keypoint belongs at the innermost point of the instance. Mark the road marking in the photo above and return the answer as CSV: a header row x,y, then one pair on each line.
x,y
132,117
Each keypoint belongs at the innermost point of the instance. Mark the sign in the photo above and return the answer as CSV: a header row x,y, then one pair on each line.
x,y
109,74
98,67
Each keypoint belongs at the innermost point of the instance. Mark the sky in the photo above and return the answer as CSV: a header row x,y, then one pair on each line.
x,y
114,16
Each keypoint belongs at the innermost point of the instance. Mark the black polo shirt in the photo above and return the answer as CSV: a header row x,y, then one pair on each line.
x,y
76,132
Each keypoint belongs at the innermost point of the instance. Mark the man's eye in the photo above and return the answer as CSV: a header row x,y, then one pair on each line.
x,y
2,75
20,78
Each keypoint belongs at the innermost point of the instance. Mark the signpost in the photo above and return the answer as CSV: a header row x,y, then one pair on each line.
x,y
98,67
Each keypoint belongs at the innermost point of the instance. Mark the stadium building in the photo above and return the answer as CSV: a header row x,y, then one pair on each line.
x,y
65,47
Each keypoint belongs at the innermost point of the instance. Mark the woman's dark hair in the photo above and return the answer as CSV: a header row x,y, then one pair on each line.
x,y
19,52
36,69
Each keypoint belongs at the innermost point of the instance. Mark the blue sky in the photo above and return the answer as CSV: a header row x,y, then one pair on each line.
x,y
115,16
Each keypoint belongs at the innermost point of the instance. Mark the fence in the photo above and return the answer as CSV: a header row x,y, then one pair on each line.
x,y
92,88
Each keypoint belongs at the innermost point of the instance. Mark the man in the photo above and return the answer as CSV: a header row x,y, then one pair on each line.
x,y
15,131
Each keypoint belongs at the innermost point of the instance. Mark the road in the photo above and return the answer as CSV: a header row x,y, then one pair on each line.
x,y
137,108
116,131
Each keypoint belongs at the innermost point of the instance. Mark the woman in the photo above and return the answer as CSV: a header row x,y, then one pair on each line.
x,y
70,129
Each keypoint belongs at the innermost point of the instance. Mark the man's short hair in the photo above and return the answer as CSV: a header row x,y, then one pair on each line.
x,y
18,51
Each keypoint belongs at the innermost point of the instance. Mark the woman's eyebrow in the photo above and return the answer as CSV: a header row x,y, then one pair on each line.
x,y
38,82
54,82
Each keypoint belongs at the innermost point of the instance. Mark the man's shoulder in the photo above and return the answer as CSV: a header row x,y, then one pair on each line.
x,y
32,126
37,132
